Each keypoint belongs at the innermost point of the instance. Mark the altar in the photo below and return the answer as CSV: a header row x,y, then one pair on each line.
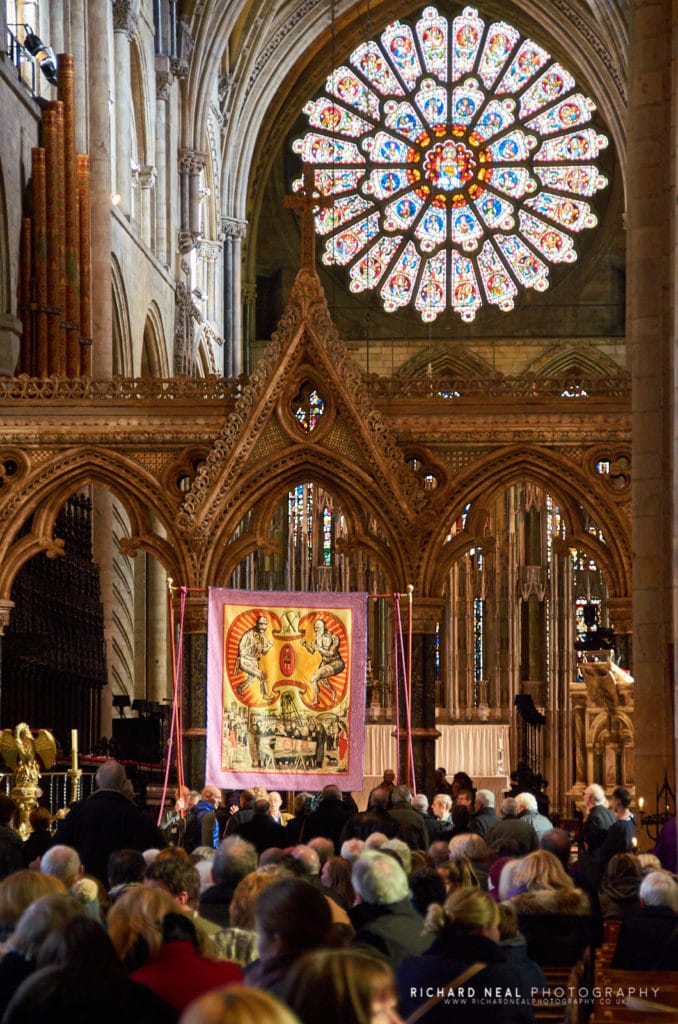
x,y
482,750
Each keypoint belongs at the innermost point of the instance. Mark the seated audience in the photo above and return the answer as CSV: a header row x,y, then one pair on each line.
x,y
291,917
466,930
554,916
342,986
648,939
237,1005
80,979
383,917
619,890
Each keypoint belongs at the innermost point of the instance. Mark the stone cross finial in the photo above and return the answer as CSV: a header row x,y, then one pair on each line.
x,y
304,203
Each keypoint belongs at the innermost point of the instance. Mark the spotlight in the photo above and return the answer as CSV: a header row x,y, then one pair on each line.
x,y
43,55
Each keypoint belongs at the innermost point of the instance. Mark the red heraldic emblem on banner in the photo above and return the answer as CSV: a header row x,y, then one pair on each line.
x,y
286,689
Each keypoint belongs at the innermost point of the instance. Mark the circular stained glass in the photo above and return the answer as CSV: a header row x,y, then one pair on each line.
x,y
459,157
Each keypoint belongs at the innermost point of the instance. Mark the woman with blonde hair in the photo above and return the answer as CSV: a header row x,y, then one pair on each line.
x,y
464,955
458,874
554,916
239,941
17,892
238,1005
342,986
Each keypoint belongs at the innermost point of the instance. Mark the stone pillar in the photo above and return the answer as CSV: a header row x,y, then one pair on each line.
x,y
191,164
234,231
427,613
102,530
100,189
158,667
10,341
194,688
651,329
125,16
163,79
147,179
249,319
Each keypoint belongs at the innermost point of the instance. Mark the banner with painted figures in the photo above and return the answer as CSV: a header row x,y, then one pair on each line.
x,y
286,689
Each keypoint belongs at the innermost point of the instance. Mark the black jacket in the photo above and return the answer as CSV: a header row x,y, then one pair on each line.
x,y
395,930
328,822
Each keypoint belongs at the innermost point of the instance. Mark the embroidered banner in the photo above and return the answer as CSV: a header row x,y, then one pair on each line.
x,y
286,689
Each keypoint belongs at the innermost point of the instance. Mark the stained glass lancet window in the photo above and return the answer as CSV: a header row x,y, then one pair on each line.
x,y
460,158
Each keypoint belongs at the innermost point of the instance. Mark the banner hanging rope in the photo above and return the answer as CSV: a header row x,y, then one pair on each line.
x,y
410,778
176,726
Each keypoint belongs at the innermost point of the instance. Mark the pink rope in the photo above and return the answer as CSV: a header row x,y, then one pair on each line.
x,y
177,702
406,691
396,680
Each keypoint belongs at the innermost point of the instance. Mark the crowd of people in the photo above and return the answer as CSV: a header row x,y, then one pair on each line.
x,y
247,914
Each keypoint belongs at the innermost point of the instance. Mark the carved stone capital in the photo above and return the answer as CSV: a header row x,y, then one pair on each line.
x,y
191,161
427,612
125,16
620,611
163,85
195,614
147,176
6,607
187,240
233,228
209,250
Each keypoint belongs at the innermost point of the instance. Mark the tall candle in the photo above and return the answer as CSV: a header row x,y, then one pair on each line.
x,y
74,749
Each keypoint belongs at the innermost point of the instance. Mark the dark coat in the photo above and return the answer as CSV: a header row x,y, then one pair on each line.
x,y
271,974
363,824
395,930
648,941
413,830
518,829
557,924
105,822
449,955
263,832
482,821
215,903
593,831
328,822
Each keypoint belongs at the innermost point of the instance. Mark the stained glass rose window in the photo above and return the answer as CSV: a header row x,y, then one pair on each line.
x,y
459,157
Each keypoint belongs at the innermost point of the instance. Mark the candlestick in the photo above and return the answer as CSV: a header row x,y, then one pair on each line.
x,y
641,802
74,749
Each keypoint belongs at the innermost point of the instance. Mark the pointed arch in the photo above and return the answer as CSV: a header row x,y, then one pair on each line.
x,y
154,359
575,362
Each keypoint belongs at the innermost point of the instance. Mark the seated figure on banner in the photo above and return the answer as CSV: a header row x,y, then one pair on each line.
x,y
252,645
326,644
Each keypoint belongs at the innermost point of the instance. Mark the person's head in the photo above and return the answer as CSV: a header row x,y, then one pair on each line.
x,y
402,852
303,804
82,944
262,624
40,918
291,916
18,891
506,881
341,986
247,799
541,870
7,809
62,862
659,889
323,847
460,780
420,803
484,798
464,798
237,1005
111,775
308,859
336,874
319,627
466,912
649,862
402,795
262,806
177,877
135,923
622,865
389,777
379,879
241,910
375,840
427,887
234,858
594,796
527,803
40,819
621,799
275,803
458,874
441,805
509,927
509,807
351,849
557,841
468,845
438,853
461,817
331,793
125,867
379,799
211,795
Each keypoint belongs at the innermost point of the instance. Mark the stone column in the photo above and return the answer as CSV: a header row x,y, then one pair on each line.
x,y
147,179
427,613
234,231
102,530
194,686
10,342
651,330
191,164
163,79
158,667
98,27
125,17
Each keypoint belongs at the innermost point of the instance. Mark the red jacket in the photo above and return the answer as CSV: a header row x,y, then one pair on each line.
x,y
179,974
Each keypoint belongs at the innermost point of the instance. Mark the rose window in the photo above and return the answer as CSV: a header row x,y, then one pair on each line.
x,y
459,158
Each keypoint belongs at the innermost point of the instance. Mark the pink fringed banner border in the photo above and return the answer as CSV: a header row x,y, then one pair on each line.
x,y
286,689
